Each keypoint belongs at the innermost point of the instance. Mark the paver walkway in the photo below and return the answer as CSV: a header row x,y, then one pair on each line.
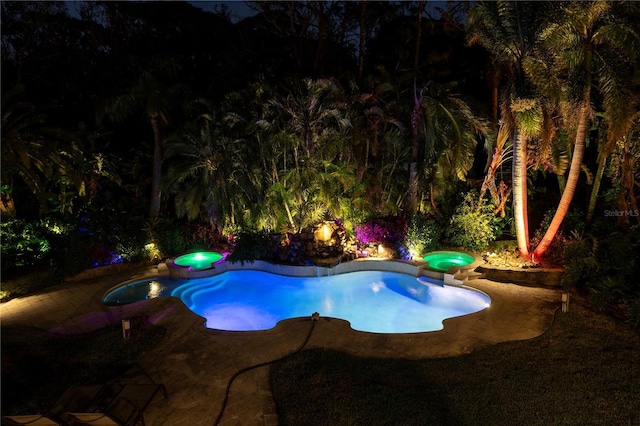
x,y
196,363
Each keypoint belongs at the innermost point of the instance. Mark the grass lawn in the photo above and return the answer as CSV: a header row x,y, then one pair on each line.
x,y
584,371
37,367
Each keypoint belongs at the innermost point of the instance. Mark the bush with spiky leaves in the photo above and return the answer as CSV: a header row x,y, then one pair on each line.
x,y
473,225
423,234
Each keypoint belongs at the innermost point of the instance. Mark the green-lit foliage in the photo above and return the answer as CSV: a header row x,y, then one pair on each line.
x,y
423,235
168,238
23,243
170,241
131,245
473,225
206,237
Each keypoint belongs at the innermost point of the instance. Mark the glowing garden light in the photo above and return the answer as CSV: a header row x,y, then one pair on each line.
x,y
324,232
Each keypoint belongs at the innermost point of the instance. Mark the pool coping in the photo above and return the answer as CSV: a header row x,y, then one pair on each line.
x,y
414,268
411,268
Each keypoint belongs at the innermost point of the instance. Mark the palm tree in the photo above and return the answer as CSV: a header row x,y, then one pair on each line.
x,y
373,113
624,171
45,158
415,117
507,30
502,152
310,126
621,99
154,94
207,172
581,39
450,132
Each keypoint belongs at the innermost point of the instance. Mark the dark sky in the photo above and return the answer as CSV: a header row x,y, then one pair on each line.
x,y
237,8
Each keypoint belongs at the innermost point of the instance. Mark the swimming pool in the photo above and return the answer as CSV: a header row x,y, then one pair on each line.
x,y
372,301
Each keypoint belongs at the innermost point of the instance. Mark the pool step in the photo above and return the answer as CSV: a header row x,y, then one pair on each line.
x,y
456,276
468,275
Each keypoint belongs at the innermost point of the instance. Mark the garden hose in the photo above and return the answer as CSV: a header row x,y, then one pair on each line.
x,y
314,319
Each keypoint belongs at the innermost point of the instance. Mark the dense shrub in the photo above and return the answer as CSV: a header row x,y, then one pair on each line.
x,y
423,234
572,223
103,254
23,243
72,252
473,225
167,236
390,230
130,245
249,246
607,266
170,241
205,237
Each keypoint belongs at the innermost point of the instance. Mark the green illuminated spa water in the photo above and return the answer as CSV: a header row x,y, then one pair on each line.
x,y
198,260
444,260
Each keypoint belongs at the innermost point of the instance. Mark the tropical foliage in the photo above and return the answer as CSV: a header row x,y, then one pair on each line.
x,y
590,44
124,116
606,266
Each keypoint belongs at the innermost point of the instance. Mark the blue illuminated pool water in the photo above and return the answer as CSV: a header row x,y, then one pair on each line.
x,y
373,301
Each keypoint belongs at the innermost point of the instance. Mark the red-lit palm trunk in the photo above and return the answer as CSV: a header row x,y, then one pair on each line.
x,y
572,181
576,164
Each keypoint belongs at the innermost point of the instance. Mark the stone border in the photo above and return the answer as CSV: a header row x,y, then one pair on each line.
x,y
417,268
532,277
410,268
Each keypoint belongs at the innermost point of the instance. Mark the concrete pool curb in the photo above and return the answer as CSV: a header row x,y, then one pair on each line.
x,y
195,363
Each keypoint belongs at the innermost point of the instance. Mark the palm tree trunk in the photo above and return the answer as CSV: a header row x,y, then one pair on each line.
x,y
520,194
413,166
602,164
156,175
626,194
415,117
495,99
363,11
572,181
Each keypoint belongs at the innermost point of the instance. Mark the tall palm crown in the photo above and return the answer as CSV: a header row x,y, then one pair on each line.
x,y
589,45
154,94
507,29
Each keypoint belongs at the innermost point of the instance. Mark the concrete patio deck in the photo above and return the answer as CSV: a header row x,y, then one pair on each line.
x,y
196,363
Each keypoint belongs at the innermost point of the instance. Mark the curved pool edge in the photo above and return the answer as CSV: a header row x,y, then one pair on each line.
x,y
299,271
389,265
357,265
